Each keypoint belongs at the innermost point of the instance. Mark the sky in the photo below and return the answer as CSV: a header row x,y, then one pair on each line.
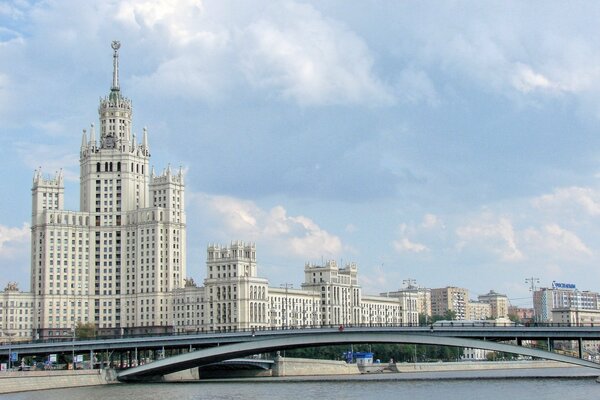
x,y
451,143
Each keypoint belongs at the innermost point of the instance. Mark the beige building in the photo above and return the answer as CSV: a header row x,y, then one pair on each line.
x,y
498,303
478,311
575,316
450,298
423,297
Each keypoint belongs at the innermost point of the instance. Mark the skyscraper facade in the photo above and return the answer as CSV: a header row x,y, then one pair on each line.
x,y
115,262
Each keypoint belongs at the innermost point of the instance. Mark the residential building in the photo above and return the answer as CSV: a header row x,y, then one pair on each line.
x,y
478,310
235,298
16,314
524,314
450,298
562,296
115,262
423,297
498,303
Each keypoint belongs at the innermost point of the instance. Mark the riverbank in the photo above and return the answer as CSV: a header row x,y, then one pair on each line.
x,y
25,381
293,369
304,367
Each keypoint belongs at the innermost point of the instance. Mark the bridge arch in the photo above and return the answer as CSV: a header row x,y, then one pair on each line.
x,y
197,358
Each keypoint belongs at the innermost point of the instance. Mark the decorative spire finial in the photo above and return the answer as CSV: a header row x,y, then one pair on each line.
x,y
115,46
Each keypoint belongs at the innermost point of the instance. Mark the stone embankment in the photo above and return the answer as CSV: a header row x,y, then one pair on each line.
x,y
474,366
24,381
305,367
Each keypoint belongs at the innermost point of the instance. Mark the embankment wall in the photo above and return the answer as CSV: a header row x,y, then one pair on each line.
x,y
304,367
24,381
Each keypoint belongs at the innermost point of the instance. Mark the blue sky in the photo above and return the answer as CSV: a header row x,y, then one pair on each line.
x,y
454,143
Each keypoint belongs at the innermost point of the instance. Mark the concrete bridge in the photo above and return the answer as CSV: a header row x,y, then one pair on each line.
x,y
483,331
268,342
128,350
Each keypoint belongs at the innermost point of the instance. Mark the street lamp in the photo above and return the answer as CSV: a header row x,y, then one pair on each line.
x,y
10,335
73,346
284,323
532,281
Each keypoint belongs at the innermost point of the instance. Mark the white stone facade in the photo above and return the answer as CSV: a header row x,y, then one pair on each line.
x,y
16,314
115,262
234,298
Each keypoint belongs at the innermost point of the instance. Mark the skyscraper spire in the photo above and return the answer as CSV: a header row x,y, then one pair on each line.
x,y
115,82
92,137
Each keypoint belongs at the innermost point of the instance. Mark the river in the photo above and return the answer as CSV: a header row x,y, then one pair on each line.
x,y
488,385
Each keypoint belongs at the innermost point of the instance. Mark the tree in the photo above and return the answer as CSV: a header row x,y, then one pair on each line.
x,y
85,331
450,315
514,318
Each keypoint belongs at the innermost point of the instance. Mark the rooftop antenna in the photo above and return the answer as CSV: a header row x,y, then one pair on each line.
x,y
116,45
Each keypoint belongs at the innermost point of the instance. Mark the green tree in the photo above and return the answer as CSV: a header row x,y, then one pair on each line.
x,y
514,318
85,331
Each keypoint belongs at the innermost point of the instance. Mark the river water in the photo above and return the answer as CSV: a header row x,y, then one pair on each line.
x,y
464,386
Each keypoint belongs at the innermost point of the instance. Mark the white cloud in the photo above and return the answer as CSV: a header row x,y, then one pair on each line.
x,y
526,80
405,245
13,241
298,235
148,14
310,59
556,241
52,158
287,48
489,233
431,221
584,198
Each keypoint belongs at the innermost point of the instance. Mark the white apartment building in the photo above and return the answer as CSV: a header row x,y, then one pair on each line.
x,y
116,261
16,314
562,296
235,298
423,296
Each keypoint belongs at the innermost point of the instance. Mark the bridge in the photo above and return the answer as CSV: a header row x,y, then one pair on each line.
x,y
453,336
216,347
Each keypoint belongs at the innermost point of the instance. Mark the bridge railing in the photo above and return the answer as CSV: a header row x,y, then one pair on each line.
x,y
258,330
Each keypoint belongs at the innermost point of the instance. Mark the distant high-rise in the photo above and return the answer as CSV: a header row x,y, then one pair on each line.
x,y
450,299
115,262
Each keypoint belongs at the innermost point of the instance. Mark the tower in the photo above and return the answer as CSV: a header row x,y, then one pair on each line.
x,y
115,262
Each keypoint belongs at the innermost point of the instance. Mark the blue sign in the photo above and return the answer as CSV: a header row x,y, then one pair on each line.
x,y
14,356
559,285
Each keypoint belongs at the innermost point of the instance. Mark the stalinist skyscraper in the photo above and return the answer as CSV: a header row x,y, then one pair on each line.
x,y
115,262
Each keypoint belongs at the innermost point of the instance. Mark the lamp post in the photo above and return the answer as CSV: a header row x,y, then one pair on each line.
x,y
284,323
532,281
10,335
73,345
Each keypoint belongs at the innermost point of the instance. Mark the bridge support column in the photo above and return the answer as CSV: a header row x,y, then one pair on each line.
x,y
580,345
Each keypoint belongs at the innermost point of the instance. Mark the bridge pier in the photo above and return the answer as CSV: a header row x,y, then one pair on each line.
x,y
580,346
